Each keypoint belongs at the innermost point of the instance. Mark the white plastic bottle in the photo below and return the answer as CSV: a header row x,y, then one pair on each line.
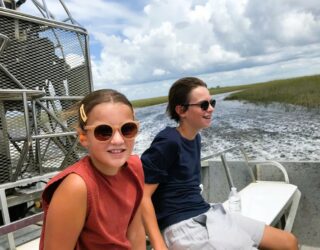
x,y
234,201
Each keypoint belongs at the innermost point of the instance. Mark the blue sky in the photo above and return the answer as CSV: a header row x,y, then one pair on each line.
x,y
141,47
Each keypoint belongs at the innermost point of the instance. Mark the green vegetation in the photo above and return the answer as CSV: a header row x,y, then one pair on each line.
x,y
163,99
220,90
149,101
303,91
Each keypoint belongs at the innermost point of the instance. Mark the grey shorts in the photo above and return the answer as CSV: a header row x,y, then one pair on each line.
x,y
215,229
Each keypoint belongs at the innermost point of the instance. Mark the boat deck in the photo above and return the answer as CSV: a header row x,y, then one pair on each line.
x,y
306,225
31,245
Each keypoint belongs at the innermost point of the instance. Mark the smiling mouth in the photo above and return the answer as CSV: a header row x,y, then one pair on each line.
x,y
116,151
207,117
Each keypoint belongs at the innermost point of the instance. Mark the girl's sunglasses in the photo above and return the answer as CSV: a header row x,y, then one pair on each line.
x,y
204,105
105,132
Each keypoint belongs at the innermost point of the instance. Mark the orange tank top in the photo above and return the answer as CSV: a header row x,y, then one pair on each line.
x,y
112,202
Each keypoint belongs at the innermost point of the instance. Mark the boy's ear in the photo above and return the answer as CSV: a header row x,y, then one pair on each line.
x,y
180,110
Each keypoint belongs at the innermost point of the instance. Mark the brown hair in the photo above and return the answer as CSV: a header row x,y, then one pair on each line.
x,y
98,97
179,94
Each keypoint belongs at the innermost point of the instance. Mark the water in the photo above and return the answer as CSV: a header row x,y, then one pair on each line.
x,y
273,132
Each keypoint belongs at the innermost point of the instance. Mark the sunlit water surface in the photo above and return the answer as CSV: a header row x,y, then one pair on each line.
x,y
272,132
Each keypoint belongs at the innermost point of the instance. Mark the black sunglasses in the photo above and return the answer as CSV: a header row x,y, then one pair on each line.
x,y
204,105
104,132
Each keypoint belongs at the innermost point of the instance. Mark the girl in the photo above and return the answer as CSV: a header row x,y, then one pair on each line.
x,y
176,216
94,204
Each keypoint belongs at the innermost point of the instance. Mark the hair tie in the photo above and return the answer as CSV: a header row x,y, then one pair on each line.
x,y
83,113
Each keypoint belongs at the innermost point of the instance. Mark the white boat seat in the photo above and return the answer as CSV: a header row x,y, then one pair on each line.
x,y
269,201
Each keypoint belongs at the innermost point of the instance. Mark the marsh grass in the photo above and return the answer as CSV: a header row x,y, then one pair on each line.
x,y
149,101
163,99
221,90
302,91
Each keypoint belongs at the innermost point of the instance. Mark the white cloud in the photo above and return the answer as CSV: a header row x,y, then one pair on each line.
x,y
74,60
159,72
300,28
164,39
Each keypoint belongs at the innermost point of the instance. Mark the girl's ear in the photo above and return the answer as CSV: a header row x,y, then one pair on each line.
x,y
82,138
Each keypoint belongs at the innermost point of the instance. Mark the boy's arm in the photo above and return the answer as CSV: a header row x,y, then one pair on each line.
x,y
149,218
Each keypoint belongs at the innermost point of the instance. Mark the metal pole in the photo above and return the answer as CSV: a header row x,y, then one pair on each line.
x,y
227,170
6,217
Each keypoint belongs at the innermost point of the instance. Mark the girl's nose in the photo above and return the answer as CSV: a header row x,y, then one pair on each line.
x,y
117,138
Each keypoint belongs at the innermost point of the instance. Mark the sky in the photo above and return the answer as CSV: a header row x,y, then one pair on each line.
x,y
140,47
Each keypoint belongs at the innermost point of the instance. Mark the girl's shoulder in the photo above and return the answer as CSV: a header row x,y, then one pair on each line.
x,y
75,183
135,164
76,168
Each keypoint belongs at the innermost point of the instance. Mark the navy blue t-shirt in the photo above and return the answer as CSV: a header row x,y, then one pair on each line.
x,y
173,162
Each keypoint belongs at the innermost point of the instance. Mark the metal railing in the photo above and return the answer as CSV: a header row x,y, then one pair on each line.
x,y
44,72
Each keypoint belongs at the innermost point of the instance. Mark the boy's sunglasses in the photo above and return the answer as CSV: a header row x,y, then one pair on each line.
x,y
104,132
204,105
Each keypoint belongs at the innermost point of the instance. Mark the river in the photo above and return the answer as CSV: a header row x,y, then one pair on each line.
x,y
266,132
